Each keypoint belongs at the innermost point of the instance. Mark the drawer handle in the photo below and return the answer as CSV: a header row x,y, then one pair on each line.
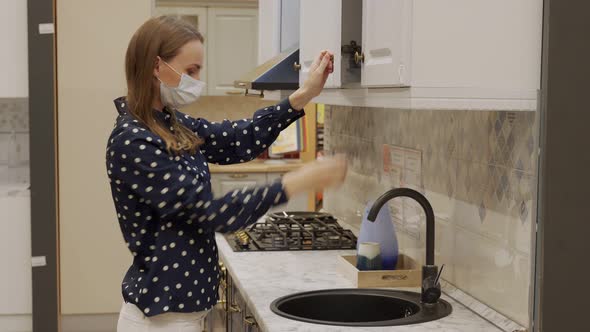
x,y
235,308
238,176
250,321
234,92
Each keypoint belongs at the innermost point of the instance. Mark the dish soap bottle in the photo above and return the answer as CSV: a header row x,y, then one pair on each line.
x,y
381,231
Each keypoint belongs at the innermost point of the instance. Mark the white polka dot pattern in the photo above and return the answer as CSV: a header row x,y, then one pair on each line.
x,y
166,209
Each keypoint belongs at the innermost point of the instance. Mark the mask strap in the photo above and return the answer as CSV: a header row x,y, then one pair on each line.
x,y
169,66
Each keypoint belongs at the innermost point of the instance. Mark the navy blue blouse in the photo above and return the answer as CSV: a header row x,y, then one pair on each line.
x,y
166,209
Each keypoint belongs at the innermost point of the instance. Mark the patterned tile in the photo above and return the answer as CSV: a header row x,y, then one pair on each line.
x,y
479,167
14,114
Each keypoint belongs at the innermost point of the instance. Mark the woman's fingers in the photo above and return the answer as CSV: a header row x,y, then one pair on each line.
x,y
317,60
326,60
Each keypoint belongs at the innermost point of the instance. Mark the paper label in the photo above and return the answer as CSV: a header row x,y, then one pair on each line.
x,y
38,261
46,28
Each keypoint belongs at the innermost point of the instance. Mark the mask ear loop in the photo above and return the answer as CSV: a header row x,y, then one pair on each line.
x,y
169,66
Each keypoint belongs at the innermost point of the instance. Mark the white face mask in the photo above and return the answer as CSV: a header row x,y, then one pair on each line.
x,y
187,91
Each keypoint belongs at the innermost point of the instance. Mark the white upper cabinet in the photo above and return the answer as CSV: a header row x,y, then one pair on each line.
x,y
320,29
386,43
232,43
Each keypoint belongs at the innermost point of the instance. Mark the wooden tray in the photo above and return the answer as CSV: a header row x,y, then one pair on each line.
x,y
408,274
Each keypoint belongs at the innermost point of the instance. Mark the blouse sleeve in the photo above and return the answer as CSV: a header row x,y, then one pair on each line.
x,y
178,191
231,142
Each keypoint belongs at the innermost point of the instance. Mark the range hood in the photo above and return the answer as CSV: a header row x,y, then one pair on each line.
x,y
278,73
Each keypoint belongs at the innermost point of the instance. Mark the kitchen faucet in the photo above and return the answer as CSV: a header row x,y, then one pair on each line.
x,y
430,286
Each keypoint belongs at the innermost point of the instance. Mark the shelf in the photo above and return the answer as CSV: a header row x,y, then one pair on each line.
x,y
419,98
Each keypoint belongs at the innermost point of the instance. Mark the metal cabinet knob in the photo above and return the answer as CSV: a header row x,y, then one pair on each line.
x,y
296,66
359,58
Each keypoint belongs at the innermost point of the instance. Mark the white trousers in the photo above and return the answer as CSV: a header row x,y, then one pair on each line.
x,y
131,319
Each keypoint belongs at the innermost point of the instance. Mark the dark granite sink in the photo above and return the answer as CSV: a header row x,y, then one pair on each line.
x,y
359,307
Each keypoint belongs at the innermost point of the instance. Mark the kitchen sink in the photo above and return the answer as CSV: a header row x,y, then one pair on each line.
x,y
359,307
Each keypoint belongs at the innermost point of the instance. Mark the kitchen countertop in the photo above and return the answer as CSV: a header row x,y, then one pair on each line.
x,y
257,166
263,277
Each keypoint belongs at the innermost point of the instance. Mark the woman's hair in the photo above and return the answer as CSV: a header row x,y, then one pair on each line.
x,y
159,36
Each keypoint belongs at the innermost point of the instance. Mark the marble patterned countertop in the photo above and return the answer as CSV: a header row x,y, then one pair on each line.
x,y
263,277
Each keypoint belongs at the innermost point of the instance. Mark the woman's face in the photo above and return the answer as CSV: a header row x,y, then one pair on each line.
x,y
189,60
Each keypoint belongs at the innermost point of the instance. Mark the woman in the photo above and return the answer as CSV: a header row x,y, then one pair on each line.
x,y
157,162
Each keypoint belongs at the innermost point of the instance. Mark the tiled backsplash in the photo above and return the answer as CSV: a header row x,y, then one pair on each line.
x,y
14,131
477,168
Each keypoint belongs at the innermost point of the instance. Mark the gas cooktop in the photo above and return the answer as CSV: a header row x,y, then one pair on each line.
x,y
282,231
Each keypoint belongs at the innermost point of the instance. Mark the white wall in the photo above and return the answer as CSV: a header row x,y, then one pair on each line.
x,y
15,237
13,57
92,38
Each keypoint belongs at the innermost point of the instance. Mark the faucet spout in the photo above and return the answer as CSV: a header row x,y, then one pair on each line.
x,y
430,286
418,197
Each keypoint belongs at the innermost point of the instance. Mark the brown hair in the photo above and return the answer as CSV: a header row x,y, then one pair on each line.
x,y
159,36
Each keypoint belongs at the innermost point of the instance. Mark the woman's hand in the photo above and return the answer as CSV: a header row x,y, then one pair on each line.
x,y
317,175
319,71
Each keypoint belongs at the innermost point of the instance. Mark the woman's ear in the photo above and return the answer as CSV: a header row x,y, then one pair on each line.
x,y
157,64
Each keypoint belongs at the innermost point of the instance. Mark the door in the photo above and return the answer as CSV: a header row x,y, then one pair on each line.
x,y
198,18
232,47
320,28
386,43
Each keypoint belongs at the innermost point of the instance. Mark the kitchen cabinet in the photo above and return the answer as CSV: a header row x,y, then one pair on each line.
x,y
386,47
382,29
222,183
231,42
448,55
232,311
316,35
232,39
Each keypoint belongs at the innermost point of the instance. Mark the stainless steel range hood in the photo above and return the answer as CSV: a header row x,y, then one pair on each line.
x,y
278,73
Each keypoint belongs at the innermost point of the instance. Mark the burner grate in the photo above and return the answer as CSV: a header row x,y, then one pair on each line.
x,y
294,231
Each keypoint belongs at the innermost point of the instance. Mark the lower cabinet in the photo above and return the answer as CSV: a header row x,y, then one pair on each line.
x,y
231,313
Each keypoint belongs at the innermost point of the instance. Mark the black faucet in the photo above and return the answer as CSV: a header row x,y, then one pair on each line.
x,y
430,286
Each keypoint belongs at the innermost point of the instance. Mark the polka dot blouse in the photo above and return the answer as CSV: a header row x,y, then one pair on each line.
x,y
166,209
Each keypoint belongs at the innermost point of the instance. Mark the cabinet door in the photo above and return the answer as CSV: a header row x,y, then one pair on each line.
x,y
232,43
386,43
198,18
222,183
320,28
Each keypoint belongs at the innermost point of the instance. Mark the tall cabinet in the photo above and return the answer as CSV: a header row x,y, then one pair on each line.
x,y
231,41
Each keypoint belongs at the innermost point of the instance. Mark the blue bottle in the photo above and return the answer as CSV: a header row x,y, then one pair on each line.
x,y
381,231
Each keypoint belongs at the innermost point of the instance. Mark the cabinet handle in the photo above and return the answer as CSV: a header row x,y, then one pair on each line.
x,y
296,66
238,176
234,92
359,58
250,321
235,308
